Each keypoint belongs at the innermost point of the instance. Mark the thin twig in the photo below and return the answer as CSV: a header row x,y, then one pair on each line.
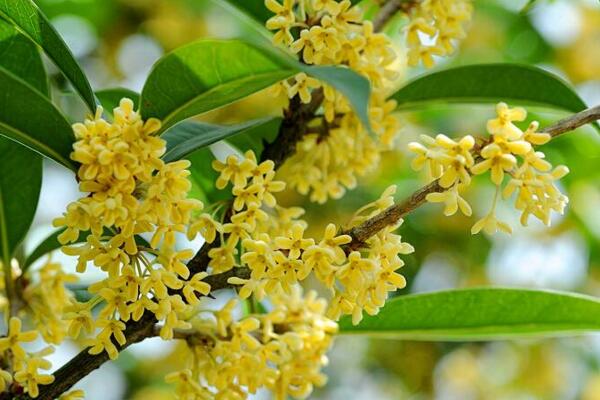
x,y
389,9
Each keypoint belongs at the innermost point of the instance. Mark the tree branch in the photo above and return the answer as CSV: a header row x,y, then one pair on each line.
x,y
84,363
293,128
389,9
390,216
573,122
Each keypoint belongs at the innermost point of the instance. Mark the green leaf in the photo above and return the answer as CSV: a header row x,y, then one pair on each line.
x,y
188,137
22,57
203,178
110,98
49,244
28,18
254,8
481,314
254,139
491,83
208,74
20,183
28,117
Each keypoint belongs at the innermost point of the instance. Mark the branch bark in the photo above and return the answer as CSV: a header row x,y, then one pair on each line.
x,y
389,9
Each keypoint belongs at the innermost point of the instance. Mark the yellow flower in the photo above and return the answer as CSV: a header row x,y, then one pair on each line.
x,y
296,243
30,378
503,125
195,285
80,316
5,380
206,226
222,258
490,225
334,242
14,337
77,394
258,256
302,86
496,160
533,137
353,273
452,200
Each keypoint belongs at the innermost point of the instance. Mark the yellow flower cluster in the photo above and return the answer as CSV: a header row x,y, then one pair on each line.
x,y
129,191
282,350
47,300
434,29
532,178
272,245
24,366
328,161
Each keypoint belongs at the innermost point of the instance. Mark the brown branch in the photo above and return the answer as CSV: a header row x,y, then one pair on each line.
x,y
84,363
293,128
389,9
392,214
573,122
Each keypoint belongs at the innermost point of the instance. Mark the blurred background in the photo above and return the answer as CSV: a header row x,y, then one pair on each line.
x,y
117,41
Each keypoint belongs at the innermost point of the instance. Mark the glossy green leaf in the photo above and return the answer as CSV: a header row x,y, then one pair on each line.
x,y
47,245
188,137
481,314
22,57
208,74
20,184
491,83
29,118
203,178
28,18
255,138
110,98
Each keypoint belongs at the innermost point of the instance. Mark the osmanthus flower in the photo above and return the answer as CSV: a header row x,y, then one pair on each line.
x,y
294,244
302,86
353,273
15,337
334,242
47,298
131,191
76,394
206,226
79,316
434,29
497,161
508,151
31,378
282,350
282,21
195,285
186,386
231,171
334,32
452,200
503,126
5,379
447,159
222,258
